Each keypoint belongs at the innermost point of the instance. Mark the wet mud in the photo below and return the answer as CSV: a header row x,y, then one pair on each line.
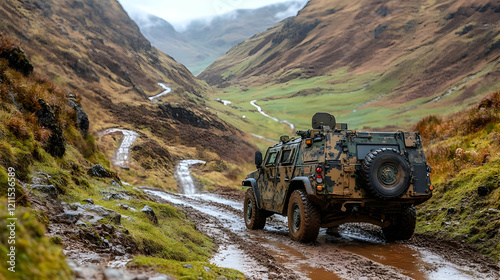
x,y
356,251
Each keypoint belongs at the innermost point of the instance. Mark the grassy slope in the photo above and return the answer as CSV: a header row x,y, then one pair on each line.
x,y
369,81
23,140
464,152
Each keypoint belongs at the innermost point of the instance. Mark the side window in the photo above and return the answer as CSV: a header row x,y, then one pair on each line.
x,y
271,160
287,156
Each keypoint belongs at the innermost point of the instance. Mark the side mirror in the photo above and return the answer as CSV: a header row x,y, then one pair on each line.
x,y
258,159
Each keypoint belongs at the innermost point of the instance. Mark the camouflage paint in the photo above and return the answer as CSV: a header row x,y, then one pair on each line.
x,y
339,153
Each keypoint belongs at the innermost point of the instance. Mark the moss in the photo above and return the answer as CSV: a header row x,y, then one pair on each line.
x,y
475,217
187,270
35,256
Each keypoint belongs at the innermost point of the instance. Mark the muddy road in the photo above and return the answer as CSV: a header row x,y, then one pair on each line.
x,y
358,251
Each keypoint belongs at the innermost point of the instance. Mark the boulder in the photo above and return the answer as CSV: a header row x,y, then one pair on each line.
x,y
68,217
99,171
50,190
150,213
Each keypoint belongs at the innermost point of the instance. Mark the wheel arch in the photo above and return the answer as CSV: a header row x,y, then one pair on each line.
x,y
252,183
296,183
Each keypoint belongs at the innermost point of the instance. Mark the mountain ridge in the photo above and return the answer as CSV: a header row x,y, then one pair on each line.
x,y
407,54
203,41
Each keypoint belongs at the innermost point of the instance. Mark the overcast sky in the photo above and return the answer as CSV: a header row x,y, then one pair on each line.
x,y
180,12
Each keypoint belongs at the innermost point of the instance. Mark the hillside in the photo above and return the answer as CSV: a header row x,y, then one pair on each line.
x,y
95,50
372,63
464,151
203,41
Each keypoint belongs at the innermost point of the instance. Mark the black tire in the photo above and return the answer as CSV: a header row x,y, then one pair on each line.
x,y
386,173
402,225
303,218
255,218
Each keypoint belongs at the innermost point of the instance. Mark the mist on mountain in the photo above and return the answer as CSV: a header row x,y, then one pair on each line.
x,y
201,41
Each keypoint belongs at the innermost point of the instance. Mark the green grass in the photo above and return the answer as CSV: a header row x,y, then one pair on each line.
x,y
474,218
185,272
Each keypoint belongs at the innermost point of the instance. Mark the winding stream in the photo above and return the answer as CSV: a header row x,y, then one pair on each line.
x,y
167,90
122,154
292,126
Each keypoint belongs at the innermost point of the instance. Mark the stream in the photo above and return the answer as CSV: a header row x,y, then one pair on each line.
x,y
122,154
292,126
167,90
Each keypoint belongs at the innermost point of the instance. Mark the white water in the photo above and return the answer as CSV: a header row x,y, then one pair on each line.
x,y
184,176
166,91
122,154
292,126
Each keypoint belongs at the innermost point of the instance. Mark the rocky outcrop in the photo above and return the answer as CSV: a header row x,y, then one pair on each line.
x,y
57,141
82,120
18,60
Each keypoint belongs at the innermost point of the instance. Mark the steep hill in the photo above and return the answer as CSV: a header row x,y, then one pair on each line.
x,y
98,52
375,63
464,151
203,41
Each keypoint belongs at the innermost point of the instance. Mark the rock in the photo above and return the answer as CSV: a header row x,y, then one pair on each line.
x,y
82,120
118,250
126,207
68,217
188,266
116,184
112,274
150,213
74,206
99,171
207,269
50,190
18,60
89,200
46,117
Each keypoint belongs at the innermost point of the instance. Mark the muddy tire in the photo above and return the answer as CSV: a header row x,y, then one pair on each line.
x,y
303,218
402,225
386,173
255,218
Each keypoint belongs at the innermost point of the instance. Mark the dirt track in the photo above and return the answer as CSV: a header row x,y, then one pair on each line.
x,y
357,252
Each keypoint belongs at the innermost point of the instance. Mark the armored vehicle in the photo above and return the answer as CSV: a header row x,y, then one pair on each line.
x,y
331,175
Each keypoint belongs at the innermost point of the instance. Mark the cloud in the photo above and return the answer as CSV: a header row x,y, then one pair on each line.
x,y
180,13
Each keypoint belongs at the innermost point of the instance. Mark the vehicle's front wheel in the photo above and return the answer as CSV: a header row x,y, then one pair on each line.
x,y
303,218
255,218
402,225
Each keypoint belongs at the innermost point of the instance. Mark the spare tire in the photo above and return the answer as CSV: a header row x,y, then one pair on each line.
x,y
386,173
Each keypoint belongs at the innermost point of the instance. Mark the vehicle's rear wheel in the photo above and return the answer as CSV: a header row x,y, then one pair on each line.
x,y
303,218
386,173
402,225
255,218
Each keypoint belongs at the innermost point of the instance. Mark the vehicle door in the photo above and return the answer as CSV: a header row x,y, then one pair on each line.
x,y
284,174
267,178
